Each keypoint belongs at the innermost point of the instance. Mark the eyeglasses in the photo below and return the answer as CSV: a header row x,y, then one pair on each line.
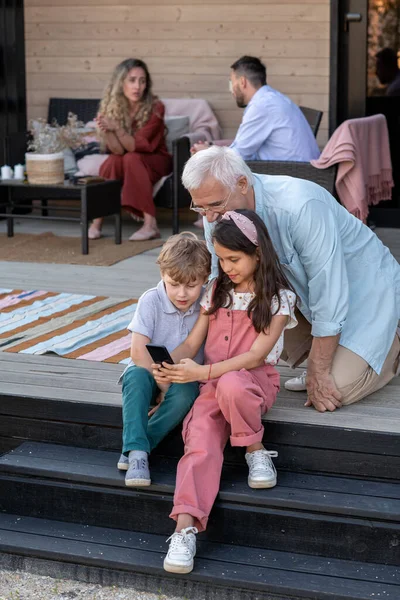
x,y
217,207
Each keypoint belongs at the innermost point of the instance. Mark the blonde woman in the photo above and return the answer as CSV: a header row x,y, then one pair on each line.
x,y
131,125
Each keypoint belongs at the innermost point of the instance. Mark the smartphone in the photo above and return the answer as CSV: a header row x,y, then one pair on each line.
x,y
159,354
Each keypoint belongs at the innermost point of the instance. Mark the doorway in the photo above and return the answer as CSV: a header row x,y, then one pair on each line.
x,y
365,77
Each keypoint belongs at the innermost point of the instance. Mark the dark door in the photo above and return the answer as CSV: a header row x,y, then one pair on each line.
x,y
365,78
12,67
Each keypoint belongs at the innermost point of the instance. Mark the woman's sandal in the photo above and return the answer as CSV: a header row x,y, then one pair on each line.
x,y
94,233
143,236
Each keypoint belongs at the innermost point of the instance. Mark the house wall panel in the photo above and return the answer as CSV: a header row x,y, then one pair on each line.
x,y
72,47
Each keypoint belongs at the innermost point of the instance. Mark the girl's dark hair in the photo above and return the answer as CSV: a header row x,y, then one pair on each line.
x,y
269,278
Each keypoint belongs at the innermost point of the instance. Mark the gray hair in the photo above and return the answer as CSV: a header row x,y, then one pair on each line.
x,y
220,162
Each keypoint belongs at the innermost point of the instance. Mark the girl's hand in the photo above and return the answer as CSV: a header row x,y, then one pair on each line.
x,y
186,371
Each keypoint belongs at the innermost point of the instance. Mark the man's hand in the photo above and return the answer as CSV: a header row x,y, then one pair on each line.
x,y
322,392
198,147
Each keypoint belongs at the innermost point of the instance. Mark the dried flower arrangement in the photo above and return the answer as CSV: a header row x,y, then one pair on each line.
x,y
50,139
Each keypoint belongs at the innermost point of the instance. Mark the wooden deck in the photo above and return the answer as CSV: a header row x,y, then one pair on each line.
x,y
95,383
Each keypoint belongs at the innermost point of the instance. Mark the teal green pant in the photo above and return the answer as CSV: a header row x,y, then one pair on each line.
x,y
139,391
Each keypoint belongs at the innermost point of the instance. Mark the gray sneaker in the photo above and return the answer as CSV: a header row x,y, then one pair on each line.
x,y
262,473
123,463
138,473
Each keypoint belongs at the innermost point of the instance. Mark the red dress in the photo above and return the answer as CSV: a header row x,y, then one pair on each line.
x,y
141,169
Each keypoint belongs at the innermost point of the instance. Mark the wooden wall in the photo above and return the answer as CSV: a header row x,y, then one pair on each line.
x,y
73,45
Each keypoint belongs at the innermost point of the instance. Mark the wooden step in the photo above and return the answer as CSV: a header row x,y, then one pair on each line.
x,y
225,571
301,446
323,515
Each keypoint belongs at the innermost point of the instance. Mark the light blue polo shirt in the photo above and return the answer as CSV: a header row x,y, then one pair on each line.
x,y
164,324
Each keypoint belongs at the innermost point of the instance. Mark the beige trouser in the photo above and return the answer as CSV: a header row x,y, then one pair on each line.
x,y
353,376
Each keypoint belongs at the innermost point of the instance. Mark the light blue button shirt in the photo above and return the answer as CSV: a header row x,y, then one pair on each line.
x,y
274,128
347,281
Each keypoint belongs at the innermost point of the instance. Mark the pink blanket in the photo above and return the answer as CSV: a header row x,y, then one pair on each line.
x,y
203,122
364,177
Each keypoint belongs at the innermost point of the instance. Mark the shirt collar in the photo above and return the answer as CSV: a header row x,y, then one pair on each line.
x,y
259,92
167,305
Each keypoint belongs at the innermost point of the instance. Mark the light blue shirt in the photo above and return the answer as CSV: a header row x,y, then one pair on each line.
x,y
274,128
347,281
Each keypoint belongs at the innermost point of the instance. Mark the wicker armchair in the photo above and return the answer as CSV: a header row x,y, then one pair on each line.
x,y
302,170
313,117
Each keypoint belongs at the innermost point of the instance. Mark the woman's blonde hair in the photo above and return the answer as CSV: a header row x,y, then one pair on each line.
x,y
185,258
115,105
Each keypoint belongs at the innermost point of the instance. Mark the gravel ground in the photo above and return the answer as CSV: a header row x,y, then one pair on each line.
x,y
19,585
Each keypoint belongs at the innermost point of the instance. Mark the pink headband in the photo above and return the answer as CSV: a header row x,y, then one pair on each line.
x,y
246,226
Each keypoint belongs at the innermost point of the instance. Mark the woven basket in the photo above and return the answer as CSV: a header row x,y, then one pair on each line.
x,y
45,168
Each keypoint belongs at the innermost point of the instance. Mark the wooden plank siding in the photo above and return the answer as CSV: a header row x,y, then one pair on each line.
x,y
72,47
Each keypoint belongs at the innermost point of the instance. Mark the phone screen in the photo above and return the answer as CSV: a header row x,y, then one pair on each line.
x,y
159,354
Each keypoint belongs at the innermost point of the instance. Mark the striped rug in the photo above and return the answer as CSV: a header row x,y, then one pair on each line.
x,y
69,325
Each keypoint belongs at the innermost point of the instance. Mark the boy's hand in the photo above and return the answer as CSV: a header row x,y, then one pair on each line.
x,y
162,381
159,399
186,371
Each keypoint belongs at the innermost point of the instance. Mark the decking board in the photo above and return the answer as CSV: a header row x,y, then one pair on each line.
x,y
96,383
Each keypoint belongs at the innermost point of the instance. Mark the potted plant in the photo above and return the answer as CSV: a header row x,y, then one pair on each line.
x,y
45,158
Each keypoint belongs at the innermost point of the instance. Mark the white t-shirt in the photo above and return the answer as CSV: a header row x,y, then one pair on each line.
x,y
241,301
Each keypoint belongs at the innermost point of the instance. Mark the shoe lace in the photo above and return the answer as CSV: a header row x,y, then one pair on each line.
x,y
179,538
138,463
262,459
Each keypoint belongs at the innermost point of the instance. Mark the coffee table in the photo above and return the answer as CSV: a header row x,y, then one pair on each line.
x,y
99,199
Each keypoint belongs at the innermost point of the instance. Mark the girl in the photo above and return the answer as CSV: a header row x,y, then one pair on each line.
x,y
244,313
131,125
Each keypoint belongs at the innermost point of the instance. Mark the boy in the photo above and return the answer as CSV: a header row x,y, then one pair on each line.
x,y
165,315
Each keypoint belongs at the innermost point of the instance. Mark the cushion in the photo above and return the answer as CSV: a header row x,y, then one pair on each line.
x,y
203,122
90,164
70,166
177,127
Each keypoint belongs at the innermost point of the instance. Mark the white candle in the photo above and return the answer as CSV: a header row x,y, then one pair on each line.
x,y
19,172
6,172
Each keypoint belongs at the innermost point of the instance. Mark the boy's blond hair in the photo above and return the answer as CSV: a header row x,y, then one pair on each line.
x,y
185,258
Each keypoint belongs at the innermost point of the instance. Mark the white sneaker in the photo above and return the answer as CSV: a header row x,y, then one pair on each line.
x,y
297,384
181,551
262,473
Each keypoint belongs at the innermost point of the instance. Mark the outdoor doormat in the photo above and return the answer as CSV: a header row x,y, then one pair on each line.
x,y
49,248
68,325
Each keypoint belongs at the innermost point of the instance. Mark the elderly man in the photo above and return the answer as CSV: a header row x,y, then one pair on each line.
x,y
273,127
347,282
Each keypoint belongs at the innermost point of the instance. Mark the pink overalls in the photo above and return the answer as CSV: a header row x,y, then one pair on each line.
x,y
227,408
